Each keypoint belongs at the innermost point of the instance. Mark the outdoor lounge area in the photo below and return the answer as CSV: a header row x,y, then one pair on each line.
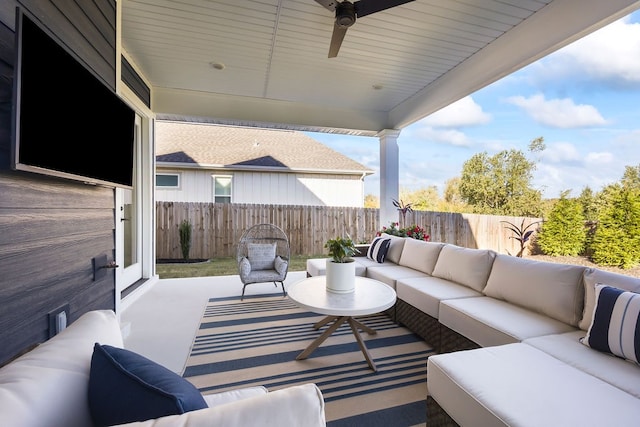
x,y
83,85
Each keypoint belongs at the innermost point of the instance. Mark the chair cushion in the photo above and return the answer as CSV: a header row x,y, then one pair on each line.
x,y
262,255
615,327
126,387
245,267
281,265
378,249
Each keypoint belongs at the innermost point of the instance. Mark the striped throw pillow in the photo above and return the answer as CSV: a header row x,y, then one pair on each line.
x,y
615,327
378,249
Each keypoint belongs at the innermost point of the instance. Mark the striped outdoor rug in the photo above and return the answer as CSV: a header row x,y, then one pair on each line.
x,y
255,342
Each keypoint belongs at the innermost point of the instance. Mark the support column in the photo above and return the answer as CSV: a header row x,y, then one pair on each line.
x,y
389,175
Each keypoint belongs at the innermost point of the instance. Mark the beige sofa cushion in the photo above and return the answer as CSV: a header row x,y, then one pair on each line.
x,y
593,276
552,289
469,267
395,248
420,255
519,385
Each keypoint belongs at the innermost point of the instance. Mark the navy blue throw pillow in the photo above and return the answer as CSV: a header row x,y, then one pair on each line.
x,y
378,249
125,387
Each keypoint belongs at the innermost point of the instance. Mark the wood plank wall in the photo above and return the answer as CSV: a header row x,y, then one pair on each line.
x,y
50,229
217,227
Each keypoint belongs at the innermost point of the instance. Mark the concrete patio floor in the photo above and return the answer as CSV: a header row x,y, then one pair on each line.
x,y
161,323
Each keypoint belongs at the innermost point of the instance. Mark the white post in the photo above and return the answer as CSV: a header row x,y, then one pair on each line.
x,y
389,175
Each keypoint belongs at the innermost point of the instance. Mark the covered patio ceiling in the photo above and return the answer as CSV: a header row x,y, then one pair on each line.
x,y
264,62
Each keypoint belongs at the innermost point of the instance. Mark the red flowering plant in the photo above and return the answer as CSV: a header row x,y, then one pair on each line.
x,y
415,231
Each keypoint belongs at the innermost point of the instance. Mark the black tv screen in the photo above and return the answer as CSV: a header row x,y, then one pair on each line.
x,y
67,122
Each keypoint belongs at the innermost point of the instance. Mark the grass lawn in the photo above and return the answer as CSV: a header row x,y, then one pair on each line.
x,y
219,267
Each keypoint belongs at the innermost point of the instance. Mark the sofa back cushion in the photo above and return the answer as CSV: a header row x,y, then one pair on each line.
x,y
548,288
420,255
395,247
468,267
48,386
593,276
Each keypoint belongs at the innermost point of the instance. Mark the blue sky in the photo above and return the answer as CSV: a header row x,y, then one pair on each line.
x,y
583,99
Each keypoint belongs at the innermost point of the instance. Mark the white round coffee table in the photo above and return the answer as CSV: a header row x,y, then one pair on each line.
x,y
369,297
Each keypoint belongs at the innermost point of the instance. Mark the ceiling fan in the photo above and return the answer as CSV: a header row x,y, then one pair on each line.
x,y
346,13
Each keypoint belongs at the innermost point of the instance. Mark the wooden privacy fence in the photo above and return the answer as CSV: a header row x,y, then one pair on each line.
x,y
217,227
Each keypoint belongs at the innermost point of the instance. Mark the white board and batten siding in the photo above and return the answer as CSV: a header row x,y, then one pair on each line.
x,y
268,188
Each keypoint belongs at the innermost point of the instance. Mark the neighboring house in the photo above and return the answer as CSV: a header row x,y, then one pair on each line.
x,y
212,163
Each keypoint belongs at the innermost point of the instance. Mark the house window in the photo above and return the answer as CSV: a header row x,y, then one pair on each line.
x,y
168,180
221,189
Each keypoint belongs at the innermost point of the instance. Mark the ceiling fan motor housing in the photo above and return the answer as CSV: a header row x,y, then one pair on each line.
x,y
345,14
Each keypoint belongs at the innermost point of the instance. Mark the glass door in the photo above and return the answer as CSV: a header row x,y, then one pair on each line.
x,y
128,230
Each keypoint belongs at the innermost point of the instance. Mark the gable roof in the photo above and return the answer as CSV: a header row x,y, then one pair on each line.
x,y
187,144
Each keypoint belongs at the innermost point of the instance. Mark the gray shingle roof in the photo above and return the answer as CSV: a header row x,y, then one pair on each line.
x,y
231,146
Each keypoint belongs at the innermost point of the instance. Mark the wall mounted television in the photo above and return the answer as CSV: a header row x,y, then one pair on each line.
x,y
66,121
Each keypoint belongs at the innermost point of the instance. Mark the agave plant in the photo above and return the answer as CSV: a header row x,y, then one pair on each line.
x,y
522,234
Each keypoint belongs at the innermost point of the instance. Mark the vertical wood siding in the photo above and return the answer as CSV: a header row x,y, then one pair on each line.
x,y
218,226
50,228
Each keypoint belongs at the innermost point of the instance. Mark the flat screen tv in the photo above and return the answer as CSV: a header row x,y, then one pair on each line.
x,y
67,122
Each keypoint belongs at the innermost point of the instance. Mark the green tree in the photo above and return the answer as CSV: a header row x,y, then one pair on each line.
x,y
422,199
563,232
371,201
501,184
617,237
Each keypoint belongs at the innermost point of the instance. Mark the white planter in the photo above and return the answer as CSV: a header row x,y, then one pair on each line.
x,y
341,277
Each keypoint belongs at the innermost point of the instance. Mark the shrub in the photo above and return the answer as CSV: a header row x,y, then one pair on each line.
x,y
185,238
563,233
617,238
414,231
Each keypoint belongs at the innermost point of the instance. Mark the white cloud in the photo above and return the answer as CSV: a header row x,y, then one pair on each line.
x,y
561,152
446,136
462,113
558,113
599,158
612,53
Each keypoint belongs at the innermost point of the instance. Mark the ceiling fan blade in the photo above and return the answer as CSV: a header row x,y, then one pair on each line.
x,y
336,40
367,7
329,4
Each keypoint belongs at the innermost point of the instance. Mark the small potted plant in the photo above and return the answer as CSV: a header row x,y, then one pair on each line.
x,y
341,268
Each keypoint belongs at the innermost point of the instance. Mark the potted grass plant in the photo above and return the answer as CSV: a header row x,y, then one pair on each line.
x,y
341,267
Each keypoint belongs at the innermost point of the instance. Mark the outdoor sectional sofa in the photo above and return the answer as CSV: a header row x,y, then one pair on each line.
x,y
68,382
508,332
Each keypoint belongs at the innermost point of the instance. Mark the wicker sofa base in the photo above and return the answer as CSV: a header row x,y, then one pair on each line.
x,y
436,416
418,322
451,341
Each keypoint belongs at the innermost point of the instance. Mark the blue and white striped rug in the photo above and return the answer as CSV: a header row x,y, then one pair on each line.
x,y
256,341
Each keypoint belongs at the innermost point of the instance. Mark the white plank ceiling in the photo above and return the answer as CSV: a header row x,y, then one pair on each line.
x,y
394,67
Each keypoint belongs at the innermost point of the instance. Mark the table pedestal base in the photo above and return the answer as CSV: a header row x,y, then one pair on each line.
x,y
338,321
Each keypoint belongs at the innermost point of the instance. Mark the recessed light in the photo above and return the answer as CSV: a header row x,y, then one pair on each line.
x,y
217,65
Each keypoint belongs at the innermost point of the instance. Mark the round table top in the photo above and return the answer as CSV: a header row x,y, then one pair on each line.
x,y
369,297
